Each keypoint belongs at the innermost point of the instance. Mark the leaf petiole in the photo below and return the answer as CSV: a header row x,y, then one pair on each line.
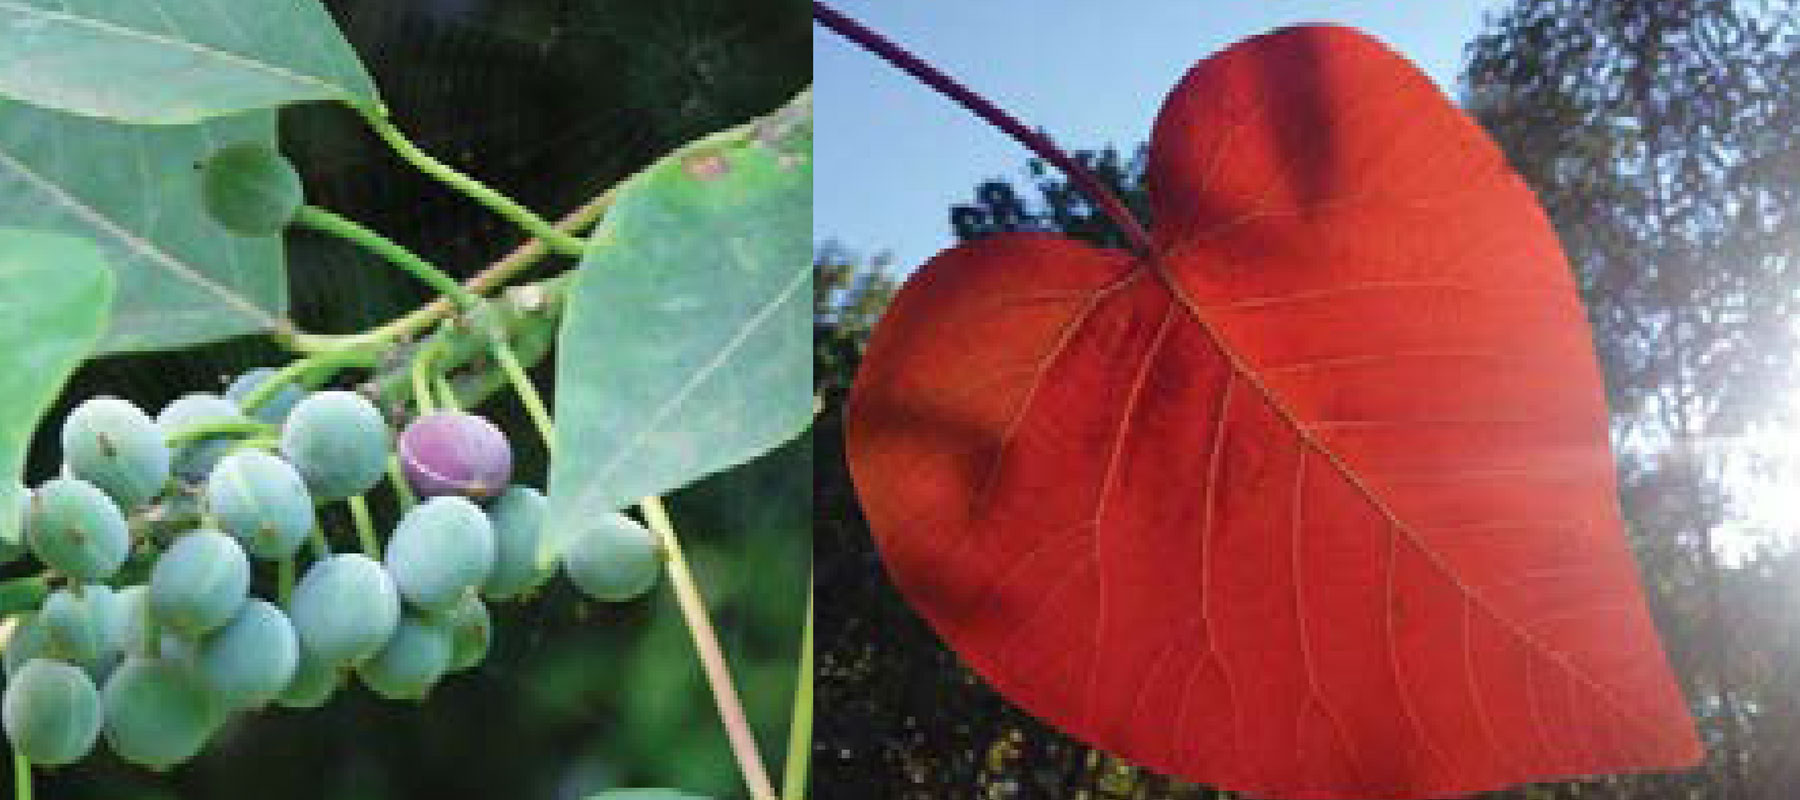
x,y
712,656
1033,140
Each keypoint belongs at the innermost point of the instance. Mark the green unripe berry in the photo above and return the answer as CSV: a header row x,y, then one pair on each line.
x,y
338,441
262,501
253,658
199,583
314,681
112,444
612,558
15,499
471,633
51,712
70,627
441,550
27,642
158,712
250,189
77,530
411,663
345,609
518,515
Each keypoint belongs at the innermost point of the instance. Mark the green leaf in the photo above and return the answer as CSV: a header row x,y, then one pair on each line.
x,y
150,61
182,278
687,342
54,294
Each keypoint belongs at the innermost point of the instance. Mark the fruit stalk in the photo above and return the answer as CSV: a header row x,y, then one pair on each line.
x,y
21,776
480,192
1035,141
712,656
493,276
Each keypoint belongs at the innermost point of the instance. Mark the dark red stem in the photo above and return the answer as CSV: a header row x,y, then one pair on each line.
x,y
1036,141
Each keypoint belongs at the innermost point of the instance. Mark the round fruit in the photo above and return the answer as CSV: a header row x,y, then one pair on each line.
x,y
518,517
339,443
14,500
194,459
441,549
345,609
70,627
112,444
252,659
262,501
450,452
412,662
613,558
51,712
158,712
199,583
313,683
273,410
129,621
77,530
250,189
471,633
27,642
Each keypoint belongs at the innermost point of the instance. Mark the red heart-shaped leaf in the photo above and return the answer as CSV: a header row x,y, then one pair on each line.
x,y
1316,503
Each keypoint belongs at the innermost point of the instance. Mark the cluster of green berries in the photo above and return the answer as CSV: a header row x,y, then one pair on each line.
x,y
158,665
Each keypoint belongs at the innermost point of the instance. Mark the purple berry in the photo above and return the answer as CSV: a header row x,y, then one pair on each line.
x,y
452,453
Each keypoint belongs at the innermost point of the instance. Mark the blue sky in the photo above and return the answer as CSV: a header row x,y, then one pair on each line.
x,y
893,155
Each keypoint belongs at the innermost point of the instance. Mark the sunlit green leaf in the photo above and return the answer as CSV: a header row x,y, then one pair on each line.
x,y
54,294
182,278
151,61
687,345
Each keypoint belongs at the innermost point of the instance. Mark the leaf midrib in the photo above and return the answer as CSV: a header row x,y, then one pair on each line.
x,y
95,218
1240,367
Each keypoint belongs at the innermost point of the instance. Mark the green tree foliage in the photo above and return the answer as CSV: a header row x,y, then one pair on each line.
x,y
1660,137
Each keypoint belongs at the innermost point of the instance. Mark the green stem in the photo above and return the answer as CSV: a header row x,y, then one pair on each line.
x,y
712,656
402,490
232,427
419,319
21,776
446,393
794,773
421,384
310,371
284,580
365,527
480,192
321,547
534,405
329,222
257,443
